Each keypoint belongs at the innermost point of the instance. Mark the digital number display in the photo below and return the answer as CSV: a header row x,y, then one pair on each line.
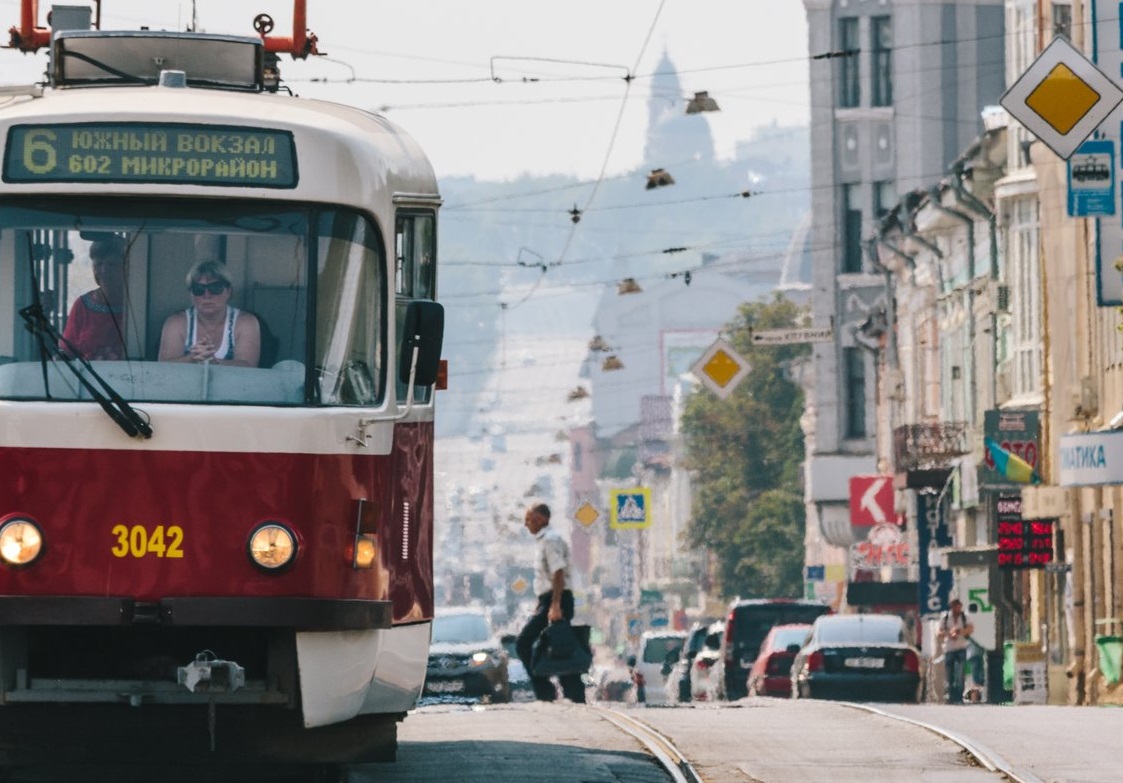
x,y
150,152
1022,543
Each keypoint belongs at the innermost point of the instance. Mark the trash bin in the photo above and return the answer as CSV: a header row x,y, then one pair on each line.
x,y
1111,656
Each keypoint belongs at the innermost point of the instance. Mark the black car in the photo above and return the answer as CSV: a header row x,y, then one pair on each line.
x,y
746,625
678,681
466,659
862,657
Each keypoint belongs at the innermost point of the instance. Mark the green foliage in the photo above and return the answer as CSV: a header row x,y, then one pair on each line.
x,y
745,453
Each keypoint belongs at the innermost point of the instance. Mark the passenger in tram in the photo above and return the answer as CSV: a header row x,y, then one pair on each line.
x,y
211,329
95,328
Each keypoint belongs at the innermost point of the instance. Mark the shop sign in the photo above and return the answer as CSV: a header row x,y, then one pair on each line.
x,y
1017,432
1091,459
932,533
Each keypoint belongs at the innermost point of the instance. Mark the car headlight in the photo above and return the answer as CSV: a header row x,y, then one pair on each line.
x,y
21,541
272,546
480,658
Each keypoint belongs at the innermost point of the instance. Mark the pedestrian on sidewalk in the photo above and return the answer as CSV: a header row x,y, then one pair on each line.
x,y
555,602
955,632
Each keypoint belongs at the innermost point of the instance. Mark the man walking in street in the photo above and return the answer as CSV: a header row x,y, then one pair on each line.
x,y
555,602
955,631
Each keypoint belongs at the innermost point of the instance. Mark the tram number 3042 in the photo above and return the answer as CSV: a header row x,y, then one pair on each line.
x,y
137,541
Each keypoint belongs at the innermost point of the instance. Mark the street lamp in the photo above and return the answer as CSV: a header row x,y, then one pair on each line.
x,y
701,102
659,178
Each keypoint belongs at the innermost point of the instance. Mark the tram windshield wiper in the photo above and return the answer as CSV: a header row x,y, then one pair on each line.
x,y
116,407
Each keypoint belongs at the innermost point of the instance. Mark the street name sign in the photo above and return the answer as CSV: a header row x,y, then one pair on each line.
x,y
721,368
806,334
1062,97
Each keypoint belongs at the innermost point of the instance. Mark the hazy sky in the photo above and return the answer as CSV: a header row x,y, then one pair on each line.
x,y
751,55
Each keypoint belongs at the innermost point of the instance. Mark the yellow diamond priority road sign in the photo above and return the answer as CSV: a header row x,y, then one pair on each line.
x,y
1062,97
721,368
586,514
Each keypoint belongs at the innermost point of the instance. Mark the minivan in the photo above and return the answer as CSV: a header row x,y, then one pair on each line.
x,y
657,654
747,623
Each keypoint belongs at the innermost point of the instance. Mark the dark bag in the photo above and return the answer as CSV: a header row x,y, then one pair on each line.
x,y
561,648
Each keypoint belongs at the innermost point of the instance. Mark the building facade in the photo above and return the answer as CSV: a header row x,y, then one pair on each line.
x,y
896,94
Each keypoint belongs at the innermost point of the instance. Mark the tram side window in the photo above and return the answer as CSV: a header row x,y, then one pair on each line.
x,y
415,275
350,322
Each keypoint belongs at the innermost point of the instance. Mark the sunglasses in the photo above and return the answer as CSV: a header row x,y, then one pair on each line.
x,y
214,288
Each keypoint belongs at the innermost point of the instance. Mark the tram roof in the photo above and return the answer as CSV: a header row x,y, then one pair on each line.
x,y
345,155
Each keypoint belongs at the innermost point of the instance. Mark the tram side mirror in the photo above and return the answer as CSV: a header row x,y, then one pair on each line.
x,y
423,328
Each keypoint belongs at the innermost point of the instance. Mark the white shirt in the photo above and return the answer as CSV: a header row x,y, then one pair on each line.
x,y
553,555
947,623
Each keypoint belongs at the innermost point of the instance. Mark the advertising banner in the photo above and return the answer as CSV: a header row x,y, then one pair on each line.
x,y
1018,432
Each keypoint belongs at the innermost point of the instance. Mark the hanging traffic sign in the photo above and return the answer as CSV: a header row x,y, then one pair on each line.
x,y
721,368
1062,97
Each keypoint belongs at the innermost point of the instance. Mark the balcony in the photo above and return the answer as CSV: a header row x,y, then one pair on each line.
x,y
924,454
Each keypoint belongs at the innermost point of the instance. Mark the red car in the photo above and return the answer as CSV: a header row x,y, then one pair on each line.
x,y
770,674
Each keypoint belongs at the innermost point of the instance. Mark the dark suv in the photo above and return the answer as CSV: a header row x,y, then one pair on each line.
x,y
747,623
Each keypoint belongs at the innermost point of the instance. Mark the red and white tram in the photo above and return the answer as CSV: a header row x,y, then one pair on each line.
x,y
213,558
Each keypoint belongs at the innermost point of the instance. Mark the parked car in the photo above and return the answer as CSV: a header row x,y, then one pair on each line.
x,y
612,683
678,681
863,657
770,674
747,623
517,676
658,651
466,658
705,669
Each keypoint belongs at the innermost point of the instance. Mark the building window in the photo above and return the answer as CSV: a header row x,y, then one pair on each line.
x,y
881,63
851,229
850,92
1025,299
854,371
1062,19
884,198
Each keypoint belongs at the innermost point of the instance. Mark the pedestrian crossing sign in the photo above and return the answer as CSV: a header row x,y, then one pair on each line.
x,y
631,508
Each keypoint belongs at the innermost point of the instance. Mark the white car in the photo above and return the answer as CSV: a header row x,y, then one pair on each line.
x,y
706,668
658,652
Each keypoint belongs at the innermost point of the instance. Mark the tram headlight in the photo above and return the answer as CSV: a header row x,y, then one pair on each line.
x,y
272,546
21,541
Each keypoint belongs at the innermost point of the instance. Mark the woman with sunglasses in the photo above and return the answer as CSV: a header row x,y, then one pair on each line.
x,y
211,330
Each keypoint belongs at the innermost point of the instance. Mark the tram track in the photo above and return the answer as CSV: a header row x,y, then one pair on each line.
x,y
986,757
661,748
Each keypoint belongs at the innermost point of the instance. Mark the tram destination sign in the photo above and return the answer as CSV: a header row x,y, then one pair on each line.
x,y
177,153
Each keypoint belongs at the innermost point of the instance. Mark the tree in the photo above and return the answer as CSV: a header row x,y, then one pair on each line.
x,y
745,454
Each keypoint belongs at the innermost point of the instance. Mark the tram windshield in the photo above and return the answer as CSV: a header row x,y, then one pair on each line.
x,y
193,302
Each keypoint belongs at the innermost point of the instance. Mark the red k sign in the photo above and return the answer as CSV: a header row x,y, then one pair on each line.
x,y
871,500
